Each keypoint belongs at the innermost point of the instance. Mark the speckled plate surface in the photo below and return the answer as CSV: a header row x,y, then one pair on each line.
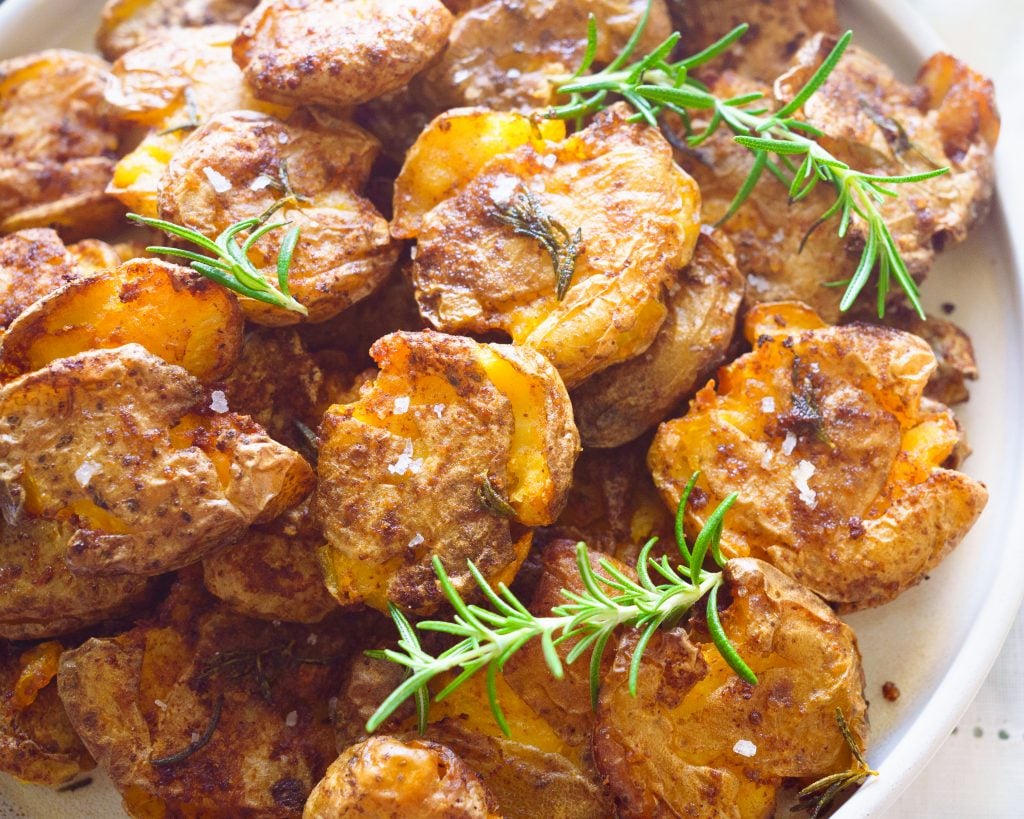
x,y
939,639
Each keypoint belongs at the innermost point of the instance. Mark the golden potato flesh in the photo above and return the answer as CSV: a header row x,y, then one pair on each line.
x,y
127,451
696,740
273,572
40,597
322,52
391,778
238,165
638,215
60,141
127,24
619,404
822,432
171,311
37,742
451,448
144,703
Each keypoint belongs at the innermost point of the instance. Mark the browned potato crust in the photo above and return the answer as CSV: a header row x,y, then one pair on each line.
x,y
777,30
145,695
37,742
674,749
391,778
238,165
422,463
172,312
619,404
118,444
638,215
60,141
338,53
33,263
822,432
273,573
40,597
127,24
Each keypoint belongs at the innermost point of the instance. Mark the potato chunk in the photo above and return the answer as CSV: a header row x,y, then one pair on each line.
x,y
619,404
682,745
453,446
60,141
33,263
120,446
638,215
338,53
391,778
812,412
238,165
171,311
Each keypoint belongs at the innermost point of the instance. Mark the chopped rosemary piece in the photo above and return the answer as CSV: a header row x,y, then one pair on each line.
x,y
525,215
192,113
493,501
818,796
655,84
659,596
245,662
230,265
196,744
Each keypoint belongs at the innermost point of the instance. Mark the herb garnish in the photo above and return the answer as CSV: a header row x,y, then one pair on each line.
x,y
230,265
242,663
817,797
611,600
197,744
492,500
525,215
654,84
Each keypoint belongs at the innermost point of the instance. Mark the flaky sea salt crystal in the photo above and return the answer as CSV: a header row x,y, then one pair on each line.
x,y
503,188
804,470
292,719
768,404
218,181
86,471
759,284
788,444
402,405
160,704
261,182
416,540
311,639
438,410
405,462
218,401
744,747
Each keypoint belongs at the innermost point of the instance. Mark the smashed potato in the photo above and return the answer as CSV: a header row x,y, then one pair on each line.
x,y
119,445
837,463
423,778
619,404
172,312
37,742
241,164
638,215
32,263
697,740
451,448
330,53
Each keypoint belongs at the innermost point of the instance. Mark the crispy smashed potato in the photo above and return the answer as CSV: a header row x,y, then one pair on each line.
x,y
273,573
619,404
172,312
338,53
40,597
37,742
32,263
423,778
205,712
240,164
697,740
127,24
121,446
638,215
878,125
452,447
793,426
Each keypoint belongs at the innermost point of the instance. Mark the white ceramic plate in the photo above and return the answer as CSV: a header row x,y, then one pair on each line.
x,y
936,642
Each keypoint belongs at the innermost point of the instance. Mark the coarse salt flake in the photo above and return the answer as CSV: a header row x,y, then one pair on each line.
x,y
160,704
804,470
311,639
766,458
402,405
218,401
788,444
282,138
405,462
438,410
744,747
195,737
758,283
513,73
292,719
261,182
768,404
460,76
503,188
86,471
416,540
549,161
217,180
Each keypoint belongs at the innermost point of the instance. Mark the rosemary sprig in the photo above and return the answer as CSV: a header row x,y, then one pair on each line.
x,y
229,264
611,599
243,663
778,140
195,745
818,796
525,215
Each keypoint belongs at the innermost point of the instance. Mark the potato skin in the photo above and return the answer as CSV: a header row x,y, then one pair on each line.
x,y
402,469
172,312
344,250
110,441
390,778
669,750
474,274
840,406
338,53
33,262
620,403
